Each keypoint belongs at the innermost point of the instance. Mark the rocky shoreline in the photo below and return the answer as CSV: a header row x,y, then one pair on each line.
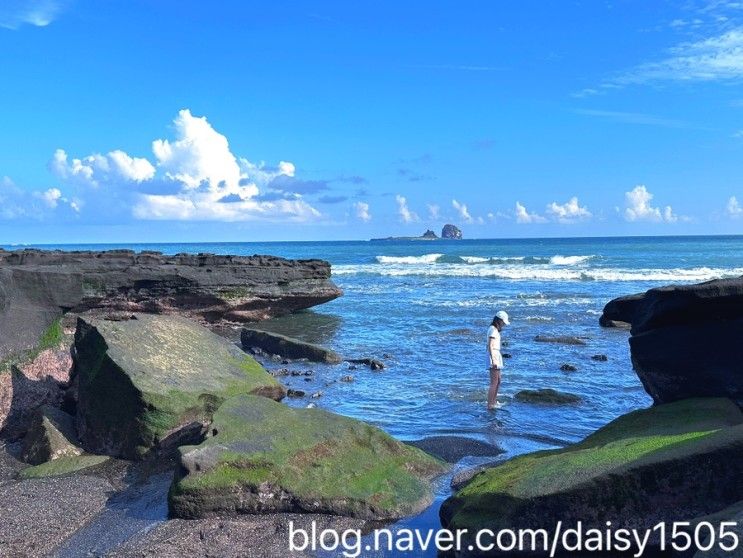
x,y
127,405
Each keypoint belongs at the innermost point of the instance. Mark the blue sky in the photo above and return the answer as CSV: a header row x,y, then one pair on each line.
x,y
228,121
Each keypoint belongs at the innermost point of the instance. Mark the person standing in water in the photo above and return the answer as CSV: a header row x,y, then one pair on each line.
x,y
495,358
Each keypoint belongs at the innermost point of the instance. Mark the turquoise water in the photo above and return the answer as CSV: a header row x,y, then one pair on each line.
x,y
427,306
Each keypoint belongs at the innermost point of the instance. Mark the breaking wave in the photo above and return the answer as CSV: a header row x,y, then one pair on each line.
x,y
536,272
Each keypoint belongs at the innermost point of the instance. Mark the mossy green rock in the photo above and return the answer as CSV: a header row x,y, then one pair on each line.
x,y
670,462
63,466
51,435
155,381
266,457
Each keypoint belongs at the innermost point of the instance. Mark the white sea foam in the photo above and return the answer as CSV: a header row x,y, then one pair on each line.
x,y
474,259
424,259
541,272
569,260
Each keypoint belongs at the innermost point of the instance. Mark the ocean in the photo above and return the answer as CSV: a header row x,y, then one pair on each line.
x,y
423,307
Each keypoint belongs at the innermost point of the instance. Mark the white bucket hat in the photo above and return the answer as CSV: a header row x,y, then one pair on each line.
x,y
503,317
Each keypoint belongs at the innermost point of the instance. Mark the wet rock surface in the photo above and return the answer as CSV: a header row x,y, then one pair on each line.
x,y
546,396
453,448
560,339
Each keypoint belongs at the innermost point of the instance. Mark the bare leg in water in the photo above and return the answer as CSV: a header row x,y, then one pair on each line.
x,y
494,386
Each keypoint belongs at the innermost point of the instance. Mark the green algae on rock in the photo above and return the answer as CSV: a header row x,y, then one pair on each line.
x,y
155,381
666,463
51,435
266,457
63,466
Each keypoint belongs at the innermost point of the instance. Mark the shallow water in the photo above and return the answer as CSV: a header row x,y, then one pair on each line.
x,y
427,305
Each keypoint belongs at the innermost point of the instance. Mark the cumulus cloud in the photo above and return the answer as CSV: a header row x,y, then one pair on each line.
x,y
569,212
406,216
433,211
362,211
524,217
195,176
98,169
639,208
40,13
462,210
733,208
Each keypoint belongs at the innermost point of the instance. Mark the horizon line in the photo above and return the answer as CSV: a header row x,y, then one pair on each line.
x,y
377,240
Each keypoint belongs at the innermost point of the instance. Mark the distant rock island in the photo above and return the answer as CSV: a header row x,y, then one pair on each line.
x,y
449,232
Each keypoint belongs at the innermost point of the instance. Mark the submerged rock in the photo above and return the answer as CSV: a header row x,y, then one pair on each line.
x,y
568,368
155,381
547,396
36,287
686,341
266,457
454,448
372,363
51,435
668,463
600,358
278,344
560,339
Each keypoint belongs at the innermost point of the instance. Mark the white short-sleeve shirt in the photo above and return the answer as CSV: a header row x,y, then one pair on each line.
x,y
495,334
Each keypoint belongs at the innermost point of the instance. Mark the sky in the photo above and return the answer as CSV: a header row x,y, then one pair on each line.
x,y
185,121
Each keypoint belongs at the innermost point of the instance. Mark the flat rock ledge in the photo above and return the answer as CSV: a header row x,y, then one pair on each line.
x,y
37,286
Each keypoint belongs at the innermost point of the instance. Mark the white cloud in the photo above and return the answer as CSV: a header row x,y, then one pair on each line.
x,y
97,169
16,203
524,217
196,177
206,206
50,197
633,118
638,207
406,216
461,209
714,58
569,212
733,208
362,211
199,154
40,13
433,211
